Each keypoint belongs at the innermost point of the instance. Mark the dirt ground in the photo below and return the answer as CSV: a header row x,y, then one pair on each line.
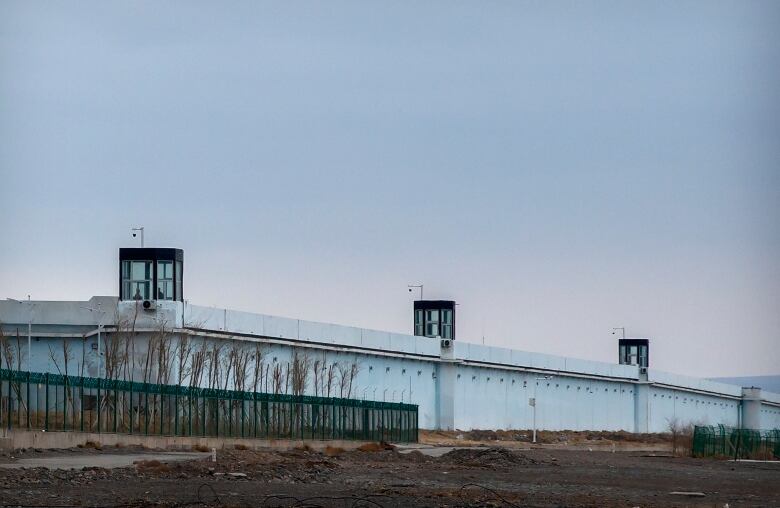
x,y
378,477
567,439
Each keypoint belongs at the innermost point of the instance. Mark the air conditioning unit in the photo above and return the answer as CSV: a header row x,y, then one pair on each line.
x,y
446,343
149,305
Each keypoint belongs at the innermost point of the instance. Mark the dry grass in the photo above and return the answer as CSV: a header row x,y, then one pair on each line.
x,y
375,447
522,438
304,448
152,466
201,448
241,447
333,451
91,444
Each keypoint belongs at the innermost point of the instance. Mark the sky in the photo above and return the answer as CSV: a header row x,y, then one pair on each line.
x,y
557,168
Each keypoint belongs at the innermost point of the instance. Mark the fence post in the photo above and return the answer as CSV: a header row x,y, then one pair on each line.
x,y
146,408
10,406
99,405
243,415
176,412
116,406
266,407
203,430
416,426
46,419
28,400
217,412
130,409
333,420
64,402
81,404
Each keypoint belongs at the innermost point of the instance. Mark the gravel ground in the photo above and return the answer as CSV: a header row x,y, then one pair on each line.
x,y
463,477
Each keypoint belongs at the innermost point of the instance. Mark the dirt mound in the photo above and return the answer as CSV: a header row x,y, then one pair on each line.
x,y
490,458
415,456
333,451
152,466
375,447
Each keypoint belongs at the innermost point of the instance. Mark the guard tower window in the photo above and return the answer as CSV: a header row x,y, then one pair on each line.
x,y
136,280
419,325
151,274
434,318
165,280
431,323
634,352
643,356
446,324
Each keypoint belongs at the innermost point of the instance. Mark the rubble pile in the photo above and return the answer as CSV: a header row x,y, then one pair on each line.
x,y
490,458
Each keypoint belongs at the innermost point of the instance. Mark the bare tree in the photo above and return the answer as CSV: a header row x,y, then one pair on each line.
x,y
316,368
239,358
301,365
286,378
126,335
157,361
198,364
183,359
165,355
19,351
214,360
66,356
278,378
346,378
681,433
11,357
115,354
6,350
330,379
83,355
257,358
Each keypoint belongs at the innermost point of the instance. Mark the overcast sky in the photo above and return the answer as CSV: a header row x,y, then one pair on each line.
x,y
558,170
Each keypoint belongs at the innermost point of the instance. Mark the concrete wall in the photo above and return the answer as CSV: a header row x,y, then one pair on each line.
x,y
466,386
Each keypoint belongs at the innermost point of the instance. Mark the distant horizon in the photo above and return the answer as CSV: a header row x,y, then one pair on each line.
x,y
769,383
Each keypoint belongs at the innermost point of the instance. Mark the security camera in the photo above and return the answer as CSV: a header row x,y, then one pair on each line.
x,y
410,290
133,235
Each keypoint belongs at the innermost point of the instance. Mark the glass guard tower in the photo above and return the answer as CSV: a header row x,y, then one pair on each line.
x,y
634,352
151,274
434,318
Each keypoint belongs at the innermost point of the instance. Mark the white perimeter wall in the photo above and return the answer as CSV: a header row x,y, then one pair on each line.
x,y
468,386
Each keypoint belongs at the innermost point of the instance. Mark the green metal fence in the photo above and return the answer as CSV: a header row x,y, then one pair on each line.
x,y
722,441
52,402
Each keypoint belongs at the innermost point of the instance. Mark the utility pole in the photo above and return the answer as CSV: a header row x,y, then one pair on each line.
x,y
100,313
141,231
418,286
